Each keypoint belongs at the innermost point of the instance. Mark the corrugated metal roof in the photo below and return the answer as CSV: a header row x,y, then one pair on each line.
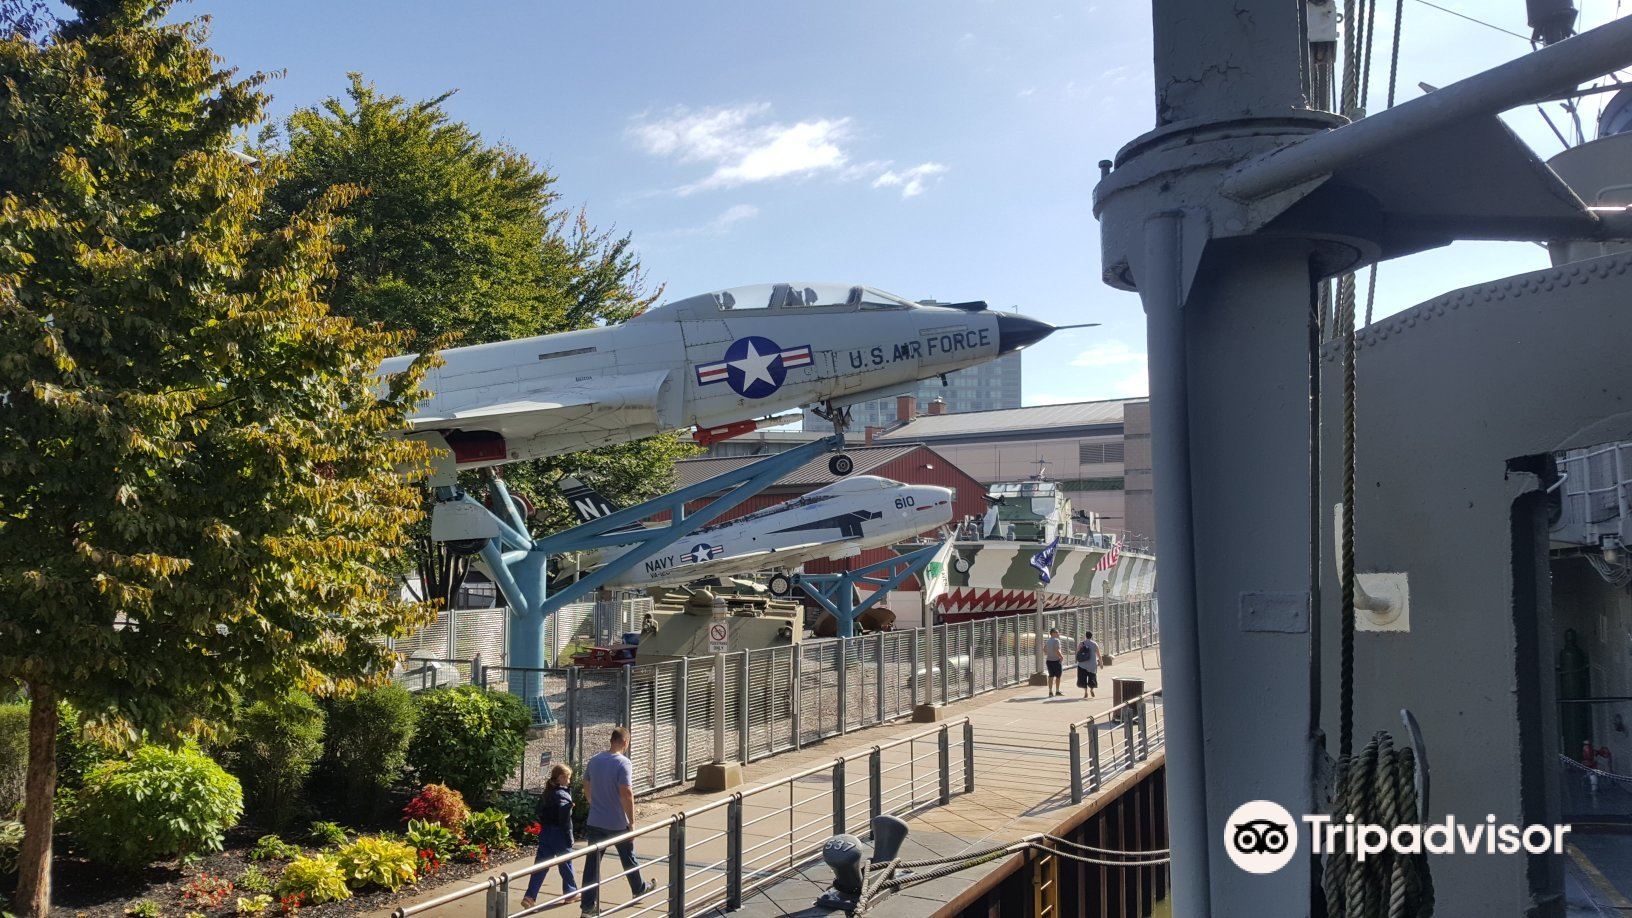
x,y
691,471
1041,417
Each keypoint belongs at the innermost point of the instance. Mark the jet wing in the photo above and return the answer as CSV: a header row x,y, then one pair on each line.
x,y
550,409
727,566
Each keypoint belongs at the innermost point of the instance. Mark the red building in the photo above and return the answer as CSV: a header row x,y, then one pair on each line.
x,y
908,463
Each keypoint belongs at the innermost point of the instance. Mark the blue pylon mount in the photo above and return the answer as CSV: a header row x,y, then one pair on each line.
x,y
837,592
518,563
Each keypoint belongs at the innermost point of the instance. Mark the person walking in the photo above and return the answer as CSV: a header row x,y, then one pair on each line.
x,y
554,835
611,813
1088,665
1053,661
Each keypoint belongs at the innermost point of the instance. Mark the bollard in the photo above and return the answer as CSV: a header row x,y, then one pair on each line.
x,y
1093,757
944,740
838,796
1076,765
875,784
968,757
733,853
677,866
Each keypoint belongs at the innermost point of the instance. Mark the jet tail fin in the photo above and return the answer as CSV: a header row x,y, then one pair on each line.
x,y
586,502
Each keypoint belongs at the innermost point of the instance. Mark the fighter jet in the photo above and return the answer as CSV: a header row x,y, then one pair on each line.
x,y
837,521
720,362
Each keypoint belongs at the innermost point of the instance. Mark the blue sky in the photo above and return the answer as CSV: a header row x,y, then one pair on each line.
x,y
934,149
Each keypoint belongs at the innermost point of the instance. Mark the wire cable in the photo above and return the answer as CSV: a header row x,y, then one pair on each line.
x,y
1488,25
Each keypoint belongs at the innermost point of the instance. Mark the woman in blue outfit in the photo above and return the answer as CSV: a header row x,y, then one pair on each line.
x,y
554,835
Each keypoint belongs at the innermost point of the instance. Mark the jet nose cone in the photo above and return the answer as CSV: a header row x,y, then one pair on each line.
x,y
1016,331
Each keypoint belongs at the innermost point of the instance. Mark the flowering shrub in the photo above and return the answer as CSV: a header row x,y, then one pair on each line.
x,y
315,879
472,854
531,830
488,827
206,891
288,905
440,804
375,861
428,861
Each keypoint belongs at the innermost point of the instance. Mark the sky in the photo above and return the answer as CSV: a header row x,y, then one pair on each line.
x,y
932,148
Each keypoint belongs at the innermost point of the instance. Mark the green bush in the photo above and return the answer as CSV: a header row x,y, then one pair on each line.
x,y
158,803
326,834
469,738
375,861
273,848
314,879
11,842
489,827
429,836
13,756
274,745
367,746
77,751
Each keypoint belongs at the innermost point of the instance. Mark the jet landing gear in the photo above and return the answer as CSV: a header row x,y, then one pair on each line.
x,y
838,465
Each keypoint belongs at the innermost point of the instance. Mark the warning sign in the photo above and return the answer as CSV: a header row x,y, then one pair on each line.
x,y
719,638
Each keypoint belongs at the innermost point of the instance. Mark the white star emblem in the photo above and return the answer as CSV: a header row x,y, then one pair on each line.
x,y
756,366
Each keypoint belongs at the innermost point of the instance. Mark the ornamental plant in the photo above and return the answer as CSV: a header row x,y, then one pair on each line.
x,y
254,880
258,904
469,738
207,890
489,827
326,834
440,841
376,861
273,848
314,880
158,803
274,745
440,804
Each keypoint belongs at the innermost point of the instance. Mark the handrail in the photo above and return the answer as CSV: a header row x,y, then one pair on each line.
x,y
1135,716
498,887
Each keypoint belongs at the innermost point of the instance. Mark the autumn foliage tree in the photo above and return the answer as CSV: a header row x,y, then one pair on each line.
x,y
200,502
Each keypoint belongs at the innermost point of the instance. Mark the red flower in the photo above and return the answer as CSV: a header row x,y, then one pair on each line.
x,y
532,830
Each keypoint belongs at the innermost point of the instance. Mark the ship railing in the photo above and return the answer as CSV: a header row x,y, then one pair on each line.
x,y
1106,745
714,855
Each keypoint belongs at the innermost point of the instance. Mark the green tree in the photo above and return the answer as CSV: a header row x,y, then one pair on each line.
x,y
199,496
456,239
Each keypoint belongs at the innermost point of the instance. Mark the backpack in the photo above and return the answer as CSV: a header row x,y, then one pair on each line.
x,y
1082,653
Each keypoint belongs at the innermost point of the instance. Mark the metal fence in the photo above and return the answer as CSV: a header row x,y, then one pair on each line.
x,y
716,854
1115,742
785,698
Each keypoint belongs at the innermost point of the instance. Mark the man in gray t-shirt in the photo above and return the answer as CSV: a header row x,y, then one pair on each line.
x,y
611,813
1053,661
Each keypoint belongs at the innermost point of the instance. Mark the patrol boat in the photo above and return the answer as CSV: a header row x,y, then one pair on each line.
x,y
993,567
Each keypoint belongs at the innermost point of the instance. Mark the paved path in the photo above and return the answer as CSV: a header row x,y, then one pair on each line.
x,y
1022,785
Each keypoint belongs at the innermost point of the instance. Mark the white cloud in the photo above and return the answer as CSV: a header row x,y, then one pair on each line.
x,y
910,181
742,147
1109,353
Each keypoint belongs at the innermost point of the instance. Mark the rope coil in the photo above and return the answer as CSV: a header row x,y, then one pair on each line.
x,y
1378,787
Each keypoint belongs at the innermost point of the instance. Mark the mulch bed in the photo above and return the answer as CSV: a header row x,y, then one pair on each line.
x,y
80,887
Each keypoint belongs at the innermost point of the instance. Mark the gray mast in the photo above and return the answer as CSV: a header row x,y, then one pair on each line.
x,y
1223,218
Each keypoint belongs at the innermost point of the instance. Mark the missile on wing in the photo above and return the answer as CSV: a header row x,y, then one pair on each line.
x,y
718,362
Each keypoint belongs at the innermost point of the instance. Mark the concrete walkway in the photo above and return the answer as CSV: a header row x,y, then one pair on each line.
x,y
1022,785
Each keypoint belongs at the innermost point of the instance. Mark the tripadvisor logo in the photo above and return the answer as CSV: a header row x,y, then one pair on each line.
x,y
1261,837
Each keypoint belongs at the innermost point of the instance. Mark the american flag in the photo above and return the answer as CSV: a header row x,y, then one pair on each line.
x,y
1109,559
